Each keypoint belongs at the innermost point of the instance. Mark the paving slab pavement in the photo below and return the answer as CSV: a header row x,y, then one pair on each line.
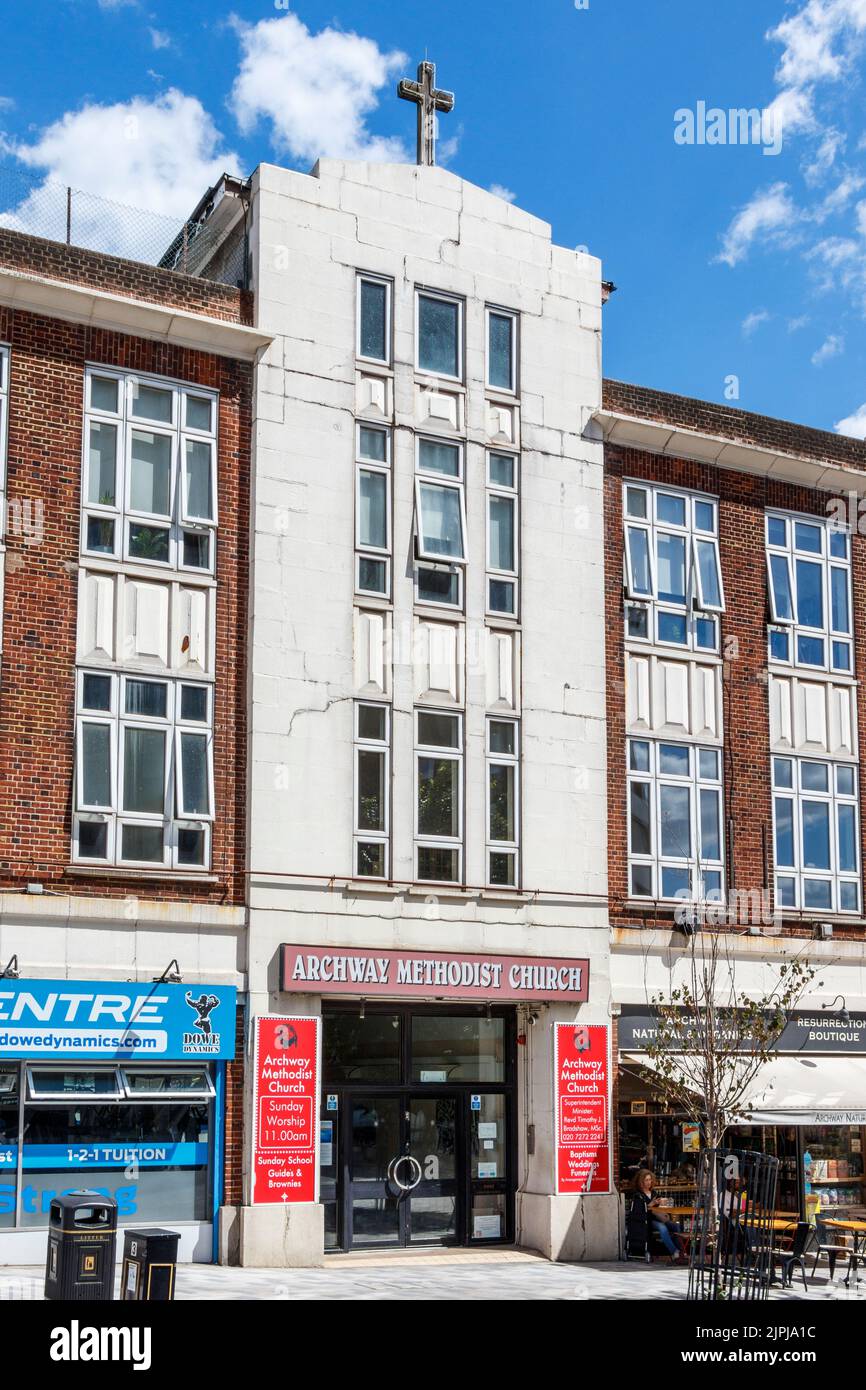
x,y
502,1276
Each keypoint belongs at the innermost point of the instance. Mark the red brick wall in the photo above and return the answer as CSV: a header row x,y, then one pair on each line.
x,y
131,279
763,431
746,755
233,1167
48,358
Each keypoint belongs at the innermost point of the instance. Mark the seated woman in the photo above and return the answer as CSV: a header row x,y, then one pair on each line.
x,y
646,1218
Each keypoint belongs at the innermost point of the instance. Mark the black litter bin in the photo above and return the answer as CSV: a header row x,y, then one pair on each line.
x,y
82,1231
149,1264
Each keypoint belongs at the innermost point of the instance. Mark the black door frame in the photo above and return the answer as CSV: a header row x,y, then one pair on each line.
x,y
340,1190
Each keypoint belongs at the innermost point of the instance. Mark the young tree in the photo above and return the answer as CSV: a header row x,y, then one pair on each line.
x,y
712,1039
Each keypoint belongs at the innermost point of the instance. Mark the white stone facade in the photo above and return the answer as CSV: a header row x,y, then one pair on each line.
x,y
317,647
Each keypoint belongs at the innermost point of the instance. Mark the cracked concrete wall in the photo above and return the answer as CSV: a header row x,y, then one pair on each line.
x,y
420,226
309,236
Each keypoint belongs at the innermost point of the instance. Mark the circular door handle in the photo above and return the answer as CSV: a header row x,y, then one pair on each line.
x,y
415,1178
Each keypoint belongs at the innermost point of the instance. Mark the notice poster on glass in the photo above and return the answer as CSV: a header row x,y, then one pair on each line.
x,y
286,1109
582,1107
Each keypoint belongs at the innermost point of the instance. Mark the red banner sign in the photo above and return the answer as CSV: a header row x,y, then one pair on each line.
x,y
286,1109
425,974
582,1070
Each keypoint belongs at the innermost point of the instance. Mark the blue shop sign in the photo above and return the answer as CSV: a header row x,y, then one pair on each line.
x,y
100,1020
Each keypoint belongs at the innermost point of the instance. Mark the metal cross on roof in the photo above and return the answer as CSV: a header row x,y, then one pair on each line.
x,y
429,100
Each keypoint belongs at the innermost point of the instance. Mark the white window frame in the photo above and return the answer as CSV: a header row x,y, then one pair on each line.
x,y
509,847
421,291
366,465
513,315
74,1097
796,794
453,482
177,521
696,606
456,569
361,277
205,1092
5,368
696,863
790,553
450,754
383,748
512,576
171,819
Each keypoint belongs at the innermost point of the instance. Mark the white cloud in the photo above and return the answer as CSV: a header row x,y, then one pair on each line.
x,y
752,322
855,424
794,325
6,103
823,159
159,38
820,41
158,156
317,90
831,347
768,218
500,191
837,199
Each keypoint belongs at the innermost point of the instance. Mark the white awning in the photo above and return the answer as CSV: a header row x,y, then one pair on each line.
x,y
801,1091
808,1091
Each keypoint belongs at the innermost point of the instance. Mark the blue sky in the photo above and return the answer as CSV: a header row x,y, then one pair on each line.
x,y
730,262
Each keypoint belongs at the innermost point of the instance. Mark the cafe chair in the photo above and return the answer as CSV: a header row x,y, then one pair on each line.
x,y
832,1250
794,1258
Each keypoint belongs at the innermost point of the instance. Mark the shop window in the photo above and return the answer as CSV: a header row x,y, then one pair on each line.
x,y
152,1158
675,821
364,1048
809,590
194,1084
454,1048
673,576
816,835
52,1083
150,483
9,1103
144,771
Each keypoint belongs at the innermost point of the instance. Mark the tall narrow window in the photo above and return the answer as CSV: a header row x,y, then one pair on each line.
x,y
440,504
809,590
439,334
149,490
503,809
817,836
673,576
501,350
503,533
372,789
438,796
373,510
374,319
674,821
144,771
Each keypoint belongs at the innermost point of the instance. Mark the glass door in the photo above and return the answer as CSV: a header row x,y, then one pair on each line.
x,y
432,1144
374,1212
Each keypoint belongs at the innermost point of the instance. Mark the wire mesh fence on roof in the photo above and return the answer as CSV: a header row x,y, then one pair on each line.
x,y
48,208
